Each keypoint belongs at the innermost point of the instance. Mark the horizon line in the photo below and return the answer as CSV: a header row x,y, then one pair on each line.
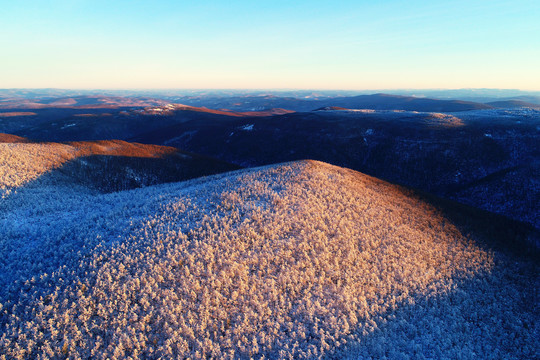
x,y
263,89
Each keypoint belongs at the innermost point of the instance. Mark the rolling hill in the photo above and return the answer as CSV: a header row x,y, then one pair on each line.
x,y
245,103
374,101
78,101
106,166
440,153
77,123
301,259
456,155
408,103
514,104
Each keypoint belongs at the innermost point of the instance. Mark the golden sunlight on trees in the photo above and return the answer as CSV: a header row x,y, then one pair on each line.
x,y
299,260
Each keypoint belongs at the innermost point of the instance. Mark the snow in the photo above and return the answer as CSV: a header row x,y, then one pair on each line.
x,y
248,127
298,260
511,112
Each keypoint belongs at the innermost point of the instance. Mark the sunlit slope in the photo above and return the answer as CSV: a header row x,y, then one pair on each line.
x,y
295,260
108,165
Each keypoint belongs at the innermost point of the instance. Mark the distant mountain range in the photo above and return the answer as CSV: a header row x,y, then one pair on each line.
x,y
262,102
78,102
375,101
509,104
475,95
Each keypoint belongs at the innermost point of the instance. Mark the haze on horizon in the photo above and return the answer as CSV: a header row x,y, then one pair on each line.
x,y
280,44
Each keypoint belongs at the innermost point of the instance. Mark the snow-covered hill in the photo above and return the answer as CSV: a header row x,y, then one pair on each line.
x,y
297,260
108,165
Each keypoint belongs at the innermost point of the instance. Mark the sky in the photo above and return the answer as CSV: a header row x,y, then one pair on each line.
x,y
270,44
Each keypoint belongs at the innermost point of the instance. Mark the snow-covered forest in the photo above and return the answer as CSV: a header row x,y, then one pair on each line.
x,y
297,260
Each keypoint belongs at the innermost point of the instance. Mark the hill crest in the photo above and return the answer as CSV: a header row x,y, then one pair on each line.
x,y
300,259
106,165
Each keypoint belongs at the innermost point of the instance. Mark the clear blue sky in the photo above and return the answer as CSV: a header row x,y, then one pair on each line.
x,y
270,44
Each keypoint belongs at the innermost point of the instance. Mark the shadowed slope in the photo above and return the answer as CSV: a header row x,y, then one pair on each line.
x,y
226,112
513,104
435,152
60,124
295,260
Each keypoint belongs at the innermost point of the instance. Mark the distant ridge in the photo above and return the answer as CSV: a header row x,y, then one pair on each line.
x,y
331,108
262,105
106,165
81,102
408,103
374,101
514,104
